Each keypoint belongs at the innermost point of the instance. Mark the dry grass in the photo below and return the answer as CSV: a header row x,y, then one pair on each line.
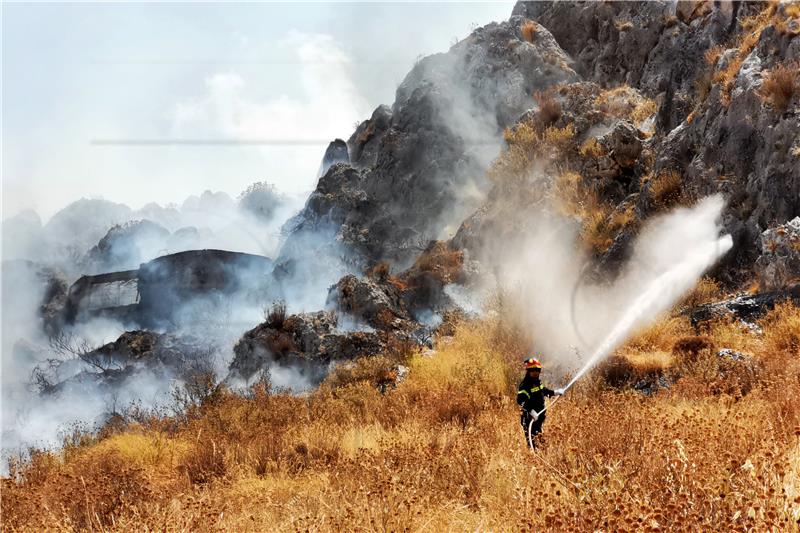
x,y
528,30
713,54
706,291
601,222
439,261
591,148
623,25
752,27
528,145
549,108
779,85
666,189
443,450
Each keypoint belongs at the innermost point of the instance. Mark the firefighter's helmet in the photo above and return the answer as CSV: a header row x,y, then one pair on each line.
x,y
532,363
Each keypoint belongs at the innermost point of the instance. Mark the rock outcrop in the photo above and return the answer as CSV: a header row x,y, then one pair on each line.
x,y
307,343
745,307
779,262
411,164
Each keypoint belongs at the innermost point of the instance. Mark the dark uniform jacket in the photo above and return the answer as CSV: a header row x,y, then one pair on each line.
x,y
531,394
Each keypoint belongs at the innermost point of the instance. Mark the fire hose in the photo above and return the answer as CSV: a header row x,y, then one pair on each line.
x,y
536,415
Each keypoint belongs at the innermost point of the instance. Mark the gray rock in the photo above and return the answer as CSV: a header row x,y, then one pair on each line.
x,y
305,342
744,307
335,153
378,304
411,164
733,355
779,262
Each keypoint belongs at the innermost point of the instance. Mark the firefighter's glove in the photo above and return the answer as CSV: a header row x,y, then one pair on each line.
x,y
559,392
534,415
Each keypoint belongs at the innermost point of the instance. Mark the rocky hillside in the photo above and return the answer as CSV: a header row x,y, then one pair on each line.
x,y
636,106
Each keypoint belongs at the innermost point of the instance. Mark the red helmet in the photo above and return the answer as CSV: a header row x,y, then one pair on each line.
x,y
532,363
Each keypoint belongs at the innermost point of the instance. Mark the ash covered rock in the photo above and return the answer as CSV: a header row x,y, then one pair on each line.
x,y
335,153
779,262
374,302
306,342
744,307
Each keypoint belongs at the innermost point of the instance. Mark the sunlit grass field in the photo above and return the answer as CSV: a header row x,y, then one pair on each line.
x,y
716,450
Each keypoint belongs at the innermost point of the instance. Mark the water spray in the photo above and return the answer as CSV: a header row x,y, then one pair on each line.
x,y
658,295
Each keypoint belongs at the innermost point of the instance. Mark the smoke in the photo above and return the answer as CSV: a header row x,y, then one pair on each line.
x,y
568,315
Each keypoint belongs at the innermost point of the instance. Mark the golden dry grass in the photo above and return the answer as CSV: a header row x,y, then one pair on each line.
x,y
779,85
752,27
666,189
529,29
625,102
443,451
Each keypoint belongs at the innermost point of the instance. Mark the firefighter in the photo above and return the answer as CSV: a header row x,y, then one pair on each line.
x,y
530,398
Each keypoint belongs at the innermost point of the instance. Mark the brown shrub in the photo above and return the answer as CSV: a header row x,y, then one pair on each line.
x,y
204,463
379,371
276,315
592,148
702,85
439,260
529,29
379,271
782,330
623,25
693,347
705,291
713,54
617,371
666,189
779,86
549,108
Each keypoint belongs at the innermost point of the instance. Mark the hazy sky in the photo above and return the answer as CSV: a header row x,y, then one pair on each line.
x,y
78,79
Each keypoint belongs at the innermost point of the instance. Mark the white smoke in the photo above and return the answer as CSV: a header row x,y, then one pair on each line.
x,y
565,312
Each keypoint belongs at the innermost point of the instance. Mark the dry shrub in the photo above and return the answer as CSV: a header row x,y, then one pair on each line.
x,y
782,330
527,145
276,315
706,290
204,463
560,139
779,86
644,110
666,189
600,227
659,336
379,371
528,30
702,86
549,108
592,148
625,102
380,271
748,39
713,54
623,25
600,221
693,347
617,371
438,260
